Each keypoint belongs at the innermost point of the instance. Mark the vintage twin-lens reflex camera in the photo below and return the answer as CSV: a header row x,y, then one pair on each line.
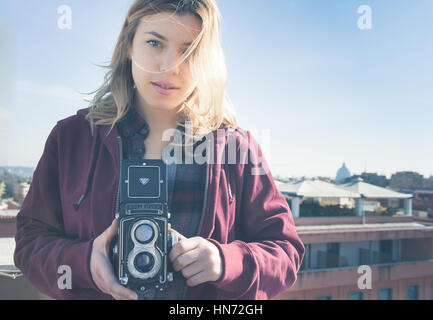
x,y
139,253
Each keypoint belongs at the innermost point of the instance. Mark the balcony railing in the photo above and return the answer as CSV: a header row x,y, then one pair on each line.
x,y
342,263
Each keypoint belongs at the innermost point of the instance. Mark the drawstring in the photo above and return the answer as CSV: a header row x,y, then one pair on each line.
x,y
228,182
91,170
227,169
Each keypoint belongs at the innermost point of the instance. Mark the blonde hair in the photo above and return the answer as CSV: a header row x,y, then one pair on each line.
x,y
207,107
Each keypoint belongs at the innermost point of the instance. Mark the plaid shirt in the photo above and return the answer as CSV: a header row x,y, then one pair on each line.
x,y
187,196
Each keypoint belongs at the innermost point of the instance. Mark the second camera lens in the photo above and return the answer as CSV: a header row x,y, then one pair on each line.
x,y
144,262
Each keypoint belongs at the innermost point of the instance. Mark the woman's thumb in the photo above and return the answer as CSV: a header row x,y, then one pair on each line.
x,y
179,236
111,231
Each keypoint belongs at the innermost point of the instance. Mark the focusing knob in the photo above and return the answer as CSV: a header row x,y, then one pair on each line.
x,y
170,276
116,249
173,238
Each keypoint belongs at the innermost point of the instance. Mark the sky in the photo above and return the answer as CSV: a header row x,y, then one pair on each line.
x,y
314,88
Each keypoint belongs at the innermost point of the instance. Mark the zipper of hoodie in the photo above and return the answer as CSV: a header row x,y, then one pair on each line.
x,y
116,211
205,198
227,166
228,184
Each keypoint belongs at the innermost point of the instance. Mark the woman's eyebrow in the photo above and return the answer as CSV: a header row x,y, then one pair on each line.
x,y
156,34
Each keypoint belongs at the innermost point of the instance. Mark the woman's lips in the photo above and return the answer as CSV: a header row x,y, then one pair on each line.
x,y
162,90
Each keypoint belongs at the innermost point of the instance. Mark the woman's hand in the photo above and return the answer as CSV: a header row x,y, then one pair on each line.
x,y
197,258
101,267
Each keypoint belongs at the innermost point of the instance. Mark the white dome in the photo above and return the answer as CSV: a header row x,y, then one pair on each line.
x,y
343,173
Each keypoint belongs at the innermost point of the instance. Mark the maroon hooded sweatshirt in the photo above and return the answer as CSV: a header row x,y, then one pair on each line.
x,y
72,200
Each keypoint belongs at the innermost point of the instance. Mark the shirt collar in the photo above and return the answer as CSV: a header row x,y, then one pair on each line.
x,y
133,123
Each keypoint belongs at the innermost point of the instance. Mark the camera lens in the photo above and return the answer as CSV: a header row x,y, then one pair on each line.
x,y
144,262
144,233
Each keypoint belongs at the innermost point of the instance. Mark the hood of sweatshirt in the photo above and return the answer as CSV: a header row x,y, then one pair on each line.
x,y
98,136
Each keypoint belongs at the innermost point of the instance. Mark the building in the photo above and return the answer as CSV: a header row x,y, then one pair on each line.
x,y
374,178
12,284
406,180
342,173
322,191
372,196
422,199
21,190
9,204
398,251
2,188
362,194
7,221
427,183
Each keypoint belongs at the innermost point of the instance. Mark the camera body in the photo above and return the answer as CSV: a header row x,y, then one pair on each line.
x,y
139,253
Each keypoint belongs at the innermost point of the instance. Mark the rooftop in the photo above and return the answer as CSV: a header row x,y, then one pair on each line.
x,y
375,226
315,188
9,213
368,190
7,267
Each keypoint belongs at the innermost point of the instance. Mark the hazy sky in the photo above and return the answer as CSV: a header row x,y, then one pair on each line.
x,y
328,91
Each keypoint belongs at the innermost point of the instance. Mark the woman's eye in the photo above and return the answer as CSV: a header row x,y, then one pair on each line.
x,y
153,43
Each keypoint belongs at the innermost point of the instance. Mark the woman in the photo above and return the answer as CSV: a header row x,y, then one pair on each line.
x,y
237,238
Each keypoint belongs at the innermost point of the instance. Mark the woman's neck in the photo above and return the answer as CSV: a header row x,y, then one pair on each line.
x,y
158,120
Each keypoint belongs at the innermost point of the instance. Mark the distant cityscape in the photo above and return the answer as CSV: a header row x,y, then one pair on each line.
x,y
410,180
404,182
363,222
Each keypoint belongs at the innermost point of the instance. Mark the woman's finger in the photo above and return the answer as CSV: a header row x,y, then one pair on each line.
x,y
186,259
193,269
182,247
180,236
197,279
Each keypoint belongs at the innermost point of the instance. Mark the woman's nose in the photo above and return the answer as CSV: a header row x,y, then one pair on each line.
x,y
169,62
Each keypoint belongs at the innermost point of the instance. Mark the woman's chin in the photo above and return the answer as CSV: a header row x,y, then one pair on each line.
x,y
164,107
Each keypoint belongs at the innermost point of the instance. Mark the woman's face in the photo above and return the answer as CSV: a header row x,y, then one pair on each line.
x,y
158,44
